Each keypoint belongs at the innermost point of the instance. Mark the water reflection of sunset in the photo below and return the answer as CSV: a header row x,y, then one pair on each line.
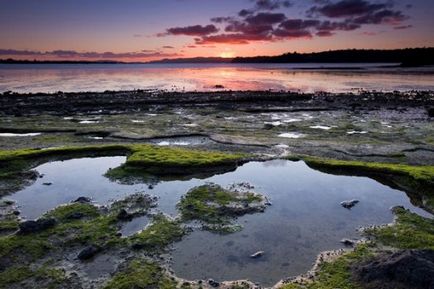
x,y
204,77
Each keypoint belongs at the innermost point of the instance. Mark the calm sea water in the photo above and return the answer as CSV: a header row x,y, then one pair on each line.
x,y
305,218
205,77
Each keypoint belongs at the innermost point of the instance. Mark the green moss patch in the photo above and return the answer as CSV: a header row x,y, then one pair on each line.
x,y
19,253
162,232
410,231
337,273
142,160
65,213
419,173
217,207
149,155
416,181
141,274
50,277
24,159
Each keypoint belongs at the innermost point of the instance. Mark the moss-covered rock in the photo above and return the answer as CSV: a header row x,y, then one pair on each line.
x,y
142,160
141,273
159,234
416,181
217,207
27,277
410,231
334,274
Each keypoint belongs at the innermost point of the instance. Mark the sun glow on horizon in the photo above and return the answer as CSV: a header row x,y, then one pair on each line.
x,y
227,54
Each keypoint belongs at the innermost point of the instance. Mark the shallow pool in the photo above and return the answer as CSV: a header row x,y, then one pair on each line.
x,y
305,217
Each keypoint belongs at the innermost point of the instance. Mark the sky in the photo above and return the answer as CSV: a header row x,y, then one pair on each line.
x,y
145,30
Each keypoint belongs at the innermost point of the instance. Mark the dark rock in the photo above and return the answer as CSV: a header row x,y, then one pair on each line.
x,y
123,215
47,184
349,204
404,269
16,213
268,126
213,283
138,246
348,242
39,225
89,252
82,200
430,111
219,86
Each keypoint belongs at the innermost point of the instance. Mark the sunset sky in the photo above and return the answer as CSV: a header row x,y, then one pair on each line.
x,y
139,30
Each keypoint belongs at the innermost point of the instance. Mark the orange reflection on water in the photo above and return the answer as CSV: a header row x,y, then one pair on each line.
x,y
208,77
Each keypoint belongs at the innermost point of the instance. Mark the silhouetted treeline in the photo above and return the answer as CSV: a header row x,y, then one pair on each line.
x,y
16,61
406,57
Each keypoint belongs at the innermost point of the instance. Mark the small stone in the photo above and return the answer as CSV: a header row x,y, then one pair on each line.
x,y
16,213
82,200
349,204
89,252
47,184
257,254
348,242
213,283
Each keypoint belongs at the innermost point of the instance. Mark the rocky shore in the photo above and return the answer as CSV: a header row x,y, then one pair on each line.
x,y
384,136
110,102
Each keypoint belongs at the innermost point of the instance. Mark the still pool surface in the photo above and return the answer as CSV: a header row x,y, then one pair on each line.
x,y
308,77
304,219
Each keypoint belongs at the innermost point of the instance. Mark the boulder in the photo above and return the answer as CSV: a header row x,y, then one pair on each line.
x,y
89,252
403,269
123,215
28,227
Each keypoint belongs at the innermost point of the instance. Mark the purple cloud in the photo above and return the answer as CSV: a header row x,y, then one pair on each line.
x,y
347,8
72,54
195,30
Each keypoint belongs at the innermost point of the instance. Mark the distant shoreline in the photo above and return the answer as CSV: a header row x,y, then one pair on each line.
x,y
410,57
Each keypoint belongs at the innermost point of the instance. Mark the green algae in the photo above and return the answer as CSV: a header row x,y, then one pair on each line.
x,y
416,181
142,160
410,231
216,207
159,234
95,227
141,274
51,277
419,173
337,273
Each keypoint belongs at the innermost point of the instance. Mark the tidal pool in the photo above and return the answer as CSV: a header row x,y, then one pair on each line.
x,y
305,217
